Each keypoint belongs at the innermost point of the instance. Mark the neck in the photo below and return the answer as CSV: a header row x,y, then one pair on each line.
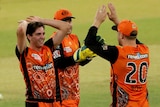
x,y
35,48
130,43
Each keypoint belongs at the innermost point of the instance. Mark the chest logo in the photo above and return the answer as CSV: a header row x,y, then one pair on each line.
x,y
67,49
36,57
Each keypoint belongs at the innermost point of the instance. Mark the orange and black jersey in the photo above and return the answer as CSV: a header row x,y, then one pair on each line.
x,y
67,70
39,73
63,54
129,68
110,54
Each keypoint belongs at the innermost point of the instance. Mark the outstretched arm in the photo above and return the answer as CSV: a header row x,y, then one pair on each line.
x,y
100,17
63,27
96,43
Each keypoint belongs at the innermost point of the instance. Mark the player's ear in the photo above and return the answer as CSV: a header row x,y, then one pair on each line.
x,y
121,36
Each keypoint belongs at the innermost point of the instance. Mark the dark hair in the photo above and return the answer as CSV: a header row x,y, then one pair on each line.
x,y
67,18
31,28
133,35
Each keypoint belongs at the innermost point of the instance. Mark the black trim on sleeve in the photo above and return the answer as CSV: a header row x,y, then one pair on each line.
x,y
26,76
91,36
83,63
61,61
49,43
17,53
64,62
110,53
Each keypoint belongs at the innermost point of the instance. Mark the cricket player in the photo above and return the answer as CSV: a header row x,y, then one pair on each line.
x,y
36,61
67,57
129,60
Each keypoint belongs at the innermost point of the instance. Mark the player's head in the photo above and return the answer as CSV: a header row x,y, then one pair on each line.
x,y
127,29
63,14
35,34
32,27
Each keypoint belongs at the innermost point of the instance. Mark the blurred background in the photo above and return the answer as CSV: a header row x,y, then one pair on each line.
x,y
94,77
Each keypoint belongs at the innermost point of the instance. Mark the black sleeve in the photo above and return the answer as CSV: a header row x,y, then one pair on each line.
x,y
17,53
63,62
83,63
49,43
59,60
107,52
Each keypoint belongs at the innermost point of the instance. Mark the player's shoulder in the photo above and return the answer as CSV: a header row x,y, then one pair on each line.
x,y
74,36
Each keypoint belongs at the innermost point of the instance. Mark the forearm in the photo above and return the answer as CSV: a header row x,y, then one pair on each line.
x,y
21,36
116,21
57,39
107,52
64,62
96,23
90,40
63,28
58,24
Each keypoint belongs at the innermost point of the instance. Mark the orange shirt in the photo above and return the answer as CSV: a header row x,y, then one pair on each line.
x,y
128,75
39,74
68,76
129,68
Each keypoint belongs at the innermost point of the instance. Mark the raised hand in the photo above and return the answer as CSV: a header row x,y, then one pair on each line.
x,y
100,16
33,19
112,15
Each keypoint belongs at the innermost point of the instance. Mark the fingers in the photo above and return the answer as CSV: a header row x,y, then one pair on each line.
x,y
32,19
21,21
112,15
111,8
102,9
101,15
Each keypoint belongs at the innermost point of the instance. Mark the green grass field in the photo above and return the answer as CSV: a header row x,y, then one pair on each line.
x,y
94,77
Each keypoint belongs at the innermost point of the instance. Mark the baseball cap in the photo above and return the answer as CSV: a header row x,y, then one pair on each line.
x,y
127,28
63,14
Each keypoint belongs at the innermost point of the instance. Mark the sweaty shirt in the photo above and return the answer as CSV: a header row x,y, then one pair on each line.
x,y
39,73
129,68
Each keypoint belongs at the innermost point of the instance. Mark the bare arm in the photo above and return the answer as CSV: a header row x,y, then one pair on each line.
x,y
100,16
112,15
105,51
21,36
63,27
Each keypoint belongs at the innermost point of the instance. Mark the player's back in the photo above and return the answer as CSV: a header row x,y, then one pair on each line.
x,y
130,75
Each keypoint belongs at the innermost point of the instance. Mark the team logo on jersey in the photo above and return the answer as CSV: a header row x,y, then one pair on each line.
x,y
44,68
137,56
67,49
56,54
36,57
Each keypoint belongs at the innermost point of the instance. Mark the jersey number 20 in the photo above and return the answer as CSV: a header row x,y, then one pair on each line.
x,y
141,69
